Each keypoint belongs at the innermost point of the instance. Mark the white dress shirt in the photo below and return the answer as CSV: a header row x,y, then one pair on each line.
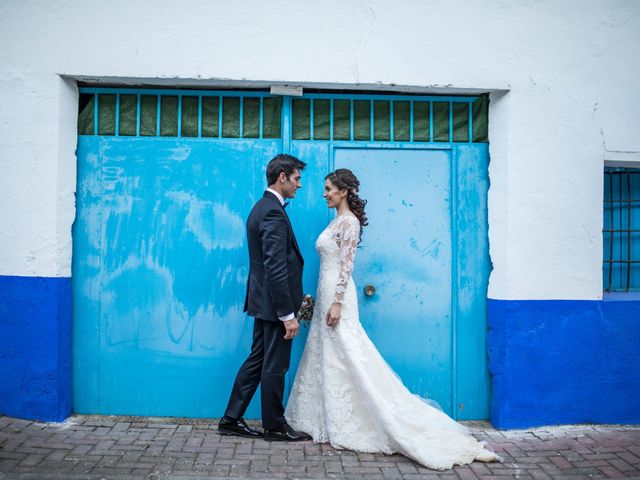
x,y
292,315
277,194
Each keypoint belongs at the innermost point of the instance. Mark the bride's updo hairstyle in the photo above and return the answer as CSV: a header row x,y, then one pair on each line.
x,y
344,179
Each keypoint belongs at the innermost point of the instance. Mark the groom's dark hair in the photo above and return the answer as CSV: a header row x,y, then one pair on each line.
x,y
283,163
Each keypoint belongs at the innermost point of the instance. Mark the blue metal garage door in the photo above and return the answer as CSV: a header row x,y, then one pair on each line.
x,y
165,182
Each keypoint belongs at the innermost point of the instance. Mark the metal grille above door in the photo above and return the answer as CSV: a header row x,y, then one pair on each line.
x,y
319,117
147,114
390,119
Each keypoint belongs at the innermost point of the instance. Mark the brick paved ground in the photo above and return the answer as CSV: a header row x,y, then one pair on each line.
x,y
87,447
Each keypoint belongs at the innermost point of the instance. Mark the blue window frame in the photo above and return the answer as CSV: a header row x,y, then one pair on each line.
x,y
621,232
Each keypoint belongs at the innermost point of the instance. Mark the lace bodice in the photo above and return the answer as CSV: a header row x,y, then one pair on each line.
x,y
344,230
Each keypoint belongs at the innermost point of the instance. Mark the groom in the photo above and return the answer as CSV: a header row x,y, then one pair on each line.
x,y
274,295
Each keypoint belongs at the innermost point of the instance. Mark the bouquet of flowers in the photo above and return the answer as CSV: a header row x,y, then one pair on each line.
x,y
306,310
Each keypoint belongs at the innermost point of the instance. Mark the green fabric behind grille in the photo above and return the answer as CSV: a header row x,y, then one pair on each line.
x,y
300,117
86,114
189,125
169,116
231,117
440,121
401,121
272,117
480,119
460,122
362,120
128,115
421,122
381,120
106,114
341,120
429,117
251,117
148,115
210,116
321,120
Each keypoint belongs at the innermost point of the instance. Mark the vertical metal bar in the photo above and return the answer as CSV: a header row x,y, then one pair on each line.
x,y
158,109
611,216
311,118
331,119
371,123
199,116
261,117
453,185
391,120
411,120
431,121
95,114
450,120
286,124
220,116
117,131
351,120
628,206
241,116
620,211
138,96
179,115
470,108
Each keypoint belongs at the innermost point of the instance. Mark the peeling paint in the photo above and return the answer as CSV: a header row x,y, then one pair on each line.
x,y
213,223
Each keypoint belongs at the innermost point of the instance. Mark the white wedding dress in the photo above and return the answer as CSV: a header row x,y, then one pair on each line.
x,y
346,394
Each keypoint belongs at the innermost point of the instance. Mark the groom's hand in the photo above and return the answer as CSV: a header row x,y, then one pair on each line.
x,y
291,327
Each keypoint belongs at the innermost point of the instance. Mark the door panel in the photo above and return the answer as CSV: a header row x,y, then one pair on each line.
x,y
406,255
163,269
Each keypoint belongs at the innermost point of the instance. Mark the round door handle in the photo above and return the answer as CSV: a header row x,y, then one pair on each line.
x,y
369,290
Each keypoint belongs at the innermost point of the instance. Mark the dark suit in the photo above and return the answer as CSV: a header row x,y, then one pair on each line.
x,y
274,289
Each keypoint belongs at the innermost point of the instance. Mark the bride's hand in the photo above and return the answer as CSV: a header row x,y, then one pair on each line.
x,y
334,314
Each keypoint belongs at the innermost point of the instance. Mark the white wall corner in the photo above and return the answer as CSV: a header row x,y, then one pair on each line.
x,y
498,193
66,173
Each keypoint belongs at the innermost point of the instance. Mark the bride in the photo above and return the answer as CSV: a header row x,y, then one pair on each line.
x,y
344,392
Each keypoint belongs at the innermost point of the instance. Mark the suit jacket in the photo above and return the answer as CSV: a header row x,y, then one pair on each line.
x,y
274,287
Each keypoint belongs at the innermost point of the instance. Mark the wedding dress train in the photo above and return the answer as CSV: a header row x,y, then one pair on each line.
x,y
344,391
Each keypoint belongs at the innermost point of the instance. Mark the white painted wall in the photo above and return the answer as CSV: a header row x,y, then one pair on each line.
x,y
565,77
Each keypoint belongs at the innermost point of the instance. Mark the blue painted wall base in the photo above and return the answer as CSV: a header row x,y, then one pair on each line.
x,y
561,361
552,361
35,347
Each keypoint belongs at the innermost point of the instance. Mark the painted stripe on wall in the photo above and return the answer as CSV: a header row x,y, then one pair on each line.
x,y
562,361
35,347
552,361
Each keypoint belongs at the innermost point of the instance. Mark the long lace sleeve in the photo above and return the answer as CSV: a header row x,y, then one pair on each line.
x,y
348,237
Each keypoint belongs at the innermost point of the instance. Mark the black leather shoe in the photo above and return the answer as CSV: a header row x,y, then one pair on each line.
x,y
285,433
238,428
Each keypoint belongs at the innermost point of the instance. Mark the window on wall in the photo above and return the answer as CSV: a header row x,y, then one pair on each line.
x,y
621,233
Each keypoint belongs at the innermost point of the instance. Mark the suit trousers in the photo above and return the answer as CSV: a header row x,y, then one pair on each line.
x,y
266,366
